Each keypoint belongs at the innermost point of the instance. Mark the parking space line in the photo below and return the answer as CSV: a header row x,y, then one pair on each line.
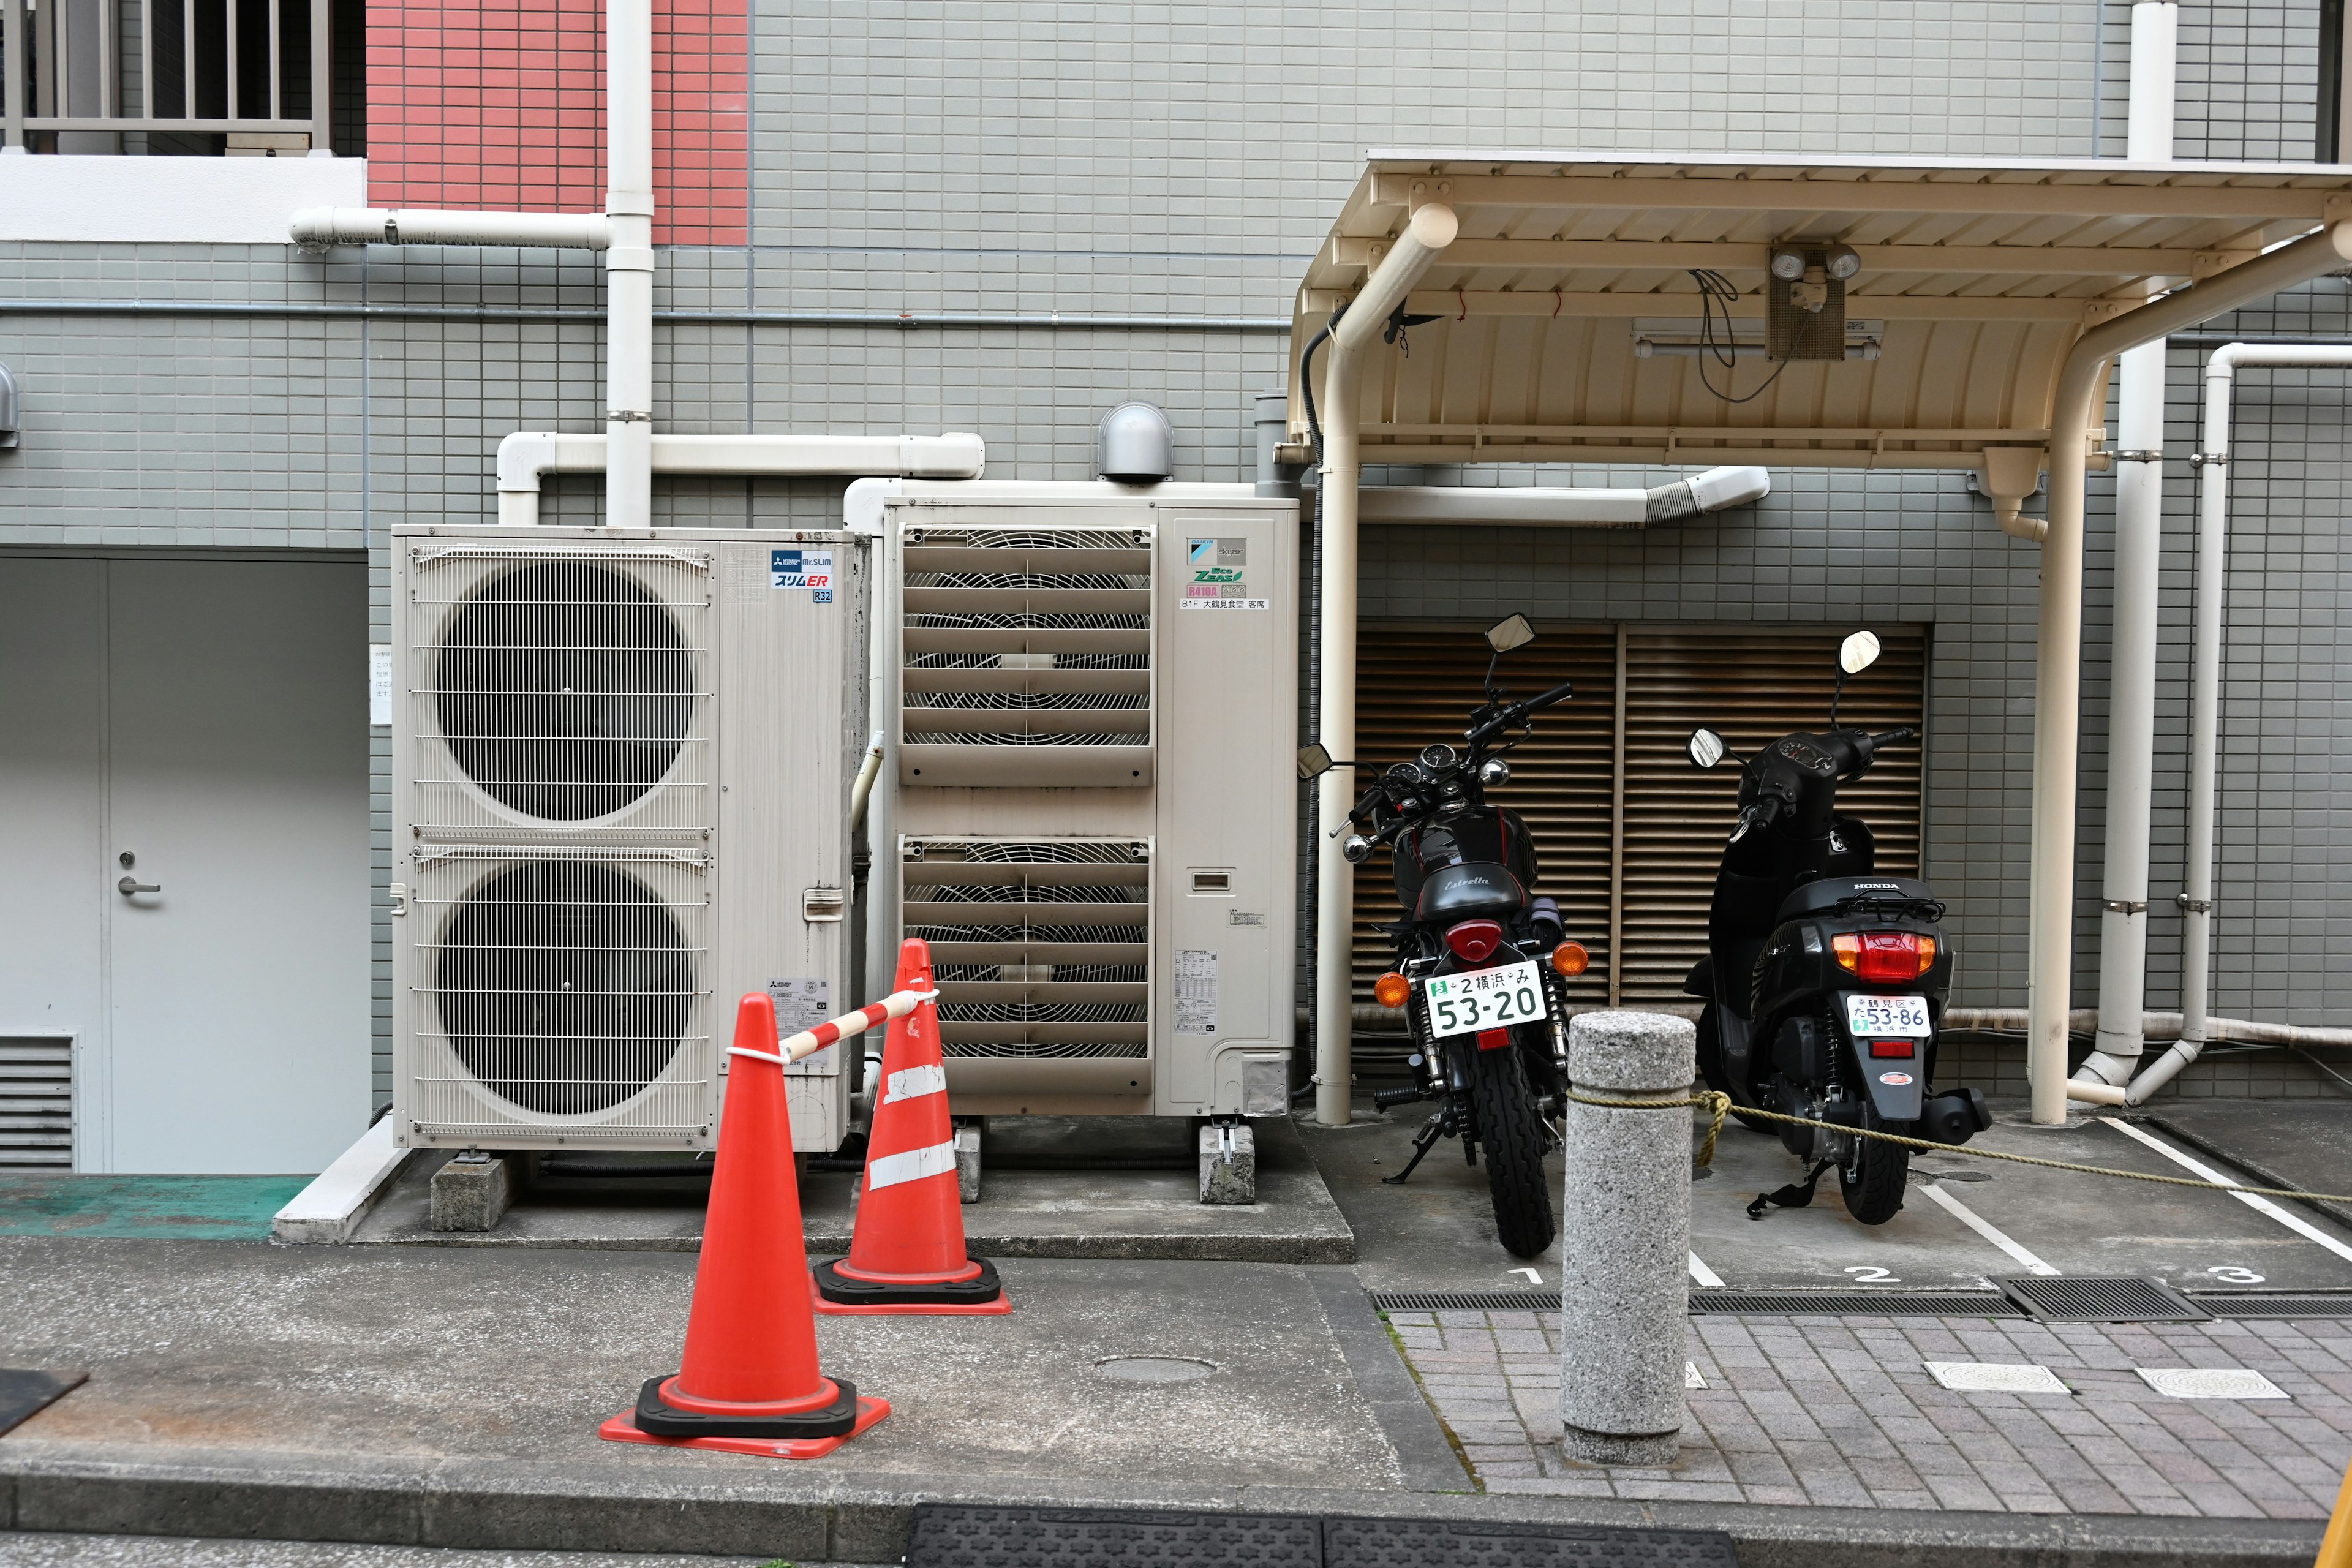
x,y
1705,1277
2260,1204
1985,1228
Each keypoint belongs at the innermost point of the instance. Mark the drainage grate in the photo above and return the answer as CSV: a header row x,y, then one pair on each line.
x,y
2100,1299
1719,1302
2278,1304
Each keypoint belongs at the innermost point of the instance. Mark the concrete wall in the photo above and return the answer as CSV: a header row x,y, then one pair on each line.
x,y
1184,161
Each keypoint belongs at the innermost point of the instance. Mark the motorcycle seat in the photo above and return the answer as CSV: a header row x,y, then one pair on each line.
x,y
1472,887
1827,891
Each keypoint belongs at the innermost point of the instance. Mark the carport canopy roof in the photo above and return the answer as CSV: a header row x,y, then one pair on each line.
x,y
1567,316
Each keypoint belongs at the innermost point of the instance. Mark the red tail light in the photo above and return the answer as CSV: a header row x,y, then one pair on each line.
x,y
1884,957
1475,941
1890,1048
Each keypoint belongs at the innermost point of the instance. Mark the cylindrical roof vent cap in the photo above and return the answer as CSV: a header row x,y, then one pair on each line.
x,y
1135,445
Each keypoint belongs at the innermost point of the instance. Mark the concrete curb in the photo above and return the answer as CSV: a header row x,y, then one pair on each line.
x,y
659,1506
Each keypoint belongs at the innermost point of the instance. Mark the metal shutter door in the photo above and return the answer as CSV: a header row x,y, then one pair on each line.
x,y
1754,687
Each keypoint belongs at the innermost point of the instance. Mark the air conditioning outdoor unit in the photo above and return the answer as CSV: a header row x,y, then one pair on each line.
x,y
621,771
1090,696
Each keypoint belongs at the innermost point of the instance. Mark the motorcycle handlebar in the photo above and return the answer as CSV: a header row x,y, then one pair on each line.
x,y
1893,737
1559,693
1517,711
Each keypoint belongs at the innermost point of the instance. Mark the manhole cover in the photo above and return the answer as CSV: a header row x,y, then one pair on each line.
x,y
1996,1377
2100,1299
1153,1368
2211,1382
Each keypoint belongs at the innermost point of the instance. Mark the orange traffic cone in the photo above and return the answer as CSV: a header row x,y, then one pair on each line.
x,y
907,1254
749,1383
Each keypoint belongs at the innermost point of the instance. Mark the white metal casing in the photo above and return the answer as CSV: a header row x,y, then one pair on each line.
x,y
1201,806
743,839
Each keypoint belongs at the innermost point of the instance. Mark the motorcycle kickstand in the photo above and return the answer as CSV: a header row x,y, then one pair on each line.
x,y
1423,1142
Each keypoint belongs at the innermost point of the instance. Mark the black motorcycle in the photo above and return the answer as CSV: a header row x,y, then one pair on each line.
x,y
1825,982
1480,961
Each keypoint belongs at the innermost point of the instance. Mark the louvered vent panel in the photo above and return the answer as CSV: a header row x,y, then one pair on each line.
x,y
1416,685
35,1102
1754,687
560,692
558,991
1041,946
1027,658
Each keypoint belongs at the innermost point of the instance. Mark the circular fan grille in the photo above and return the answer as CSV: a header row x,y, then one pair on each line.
x,y
565,986
564,690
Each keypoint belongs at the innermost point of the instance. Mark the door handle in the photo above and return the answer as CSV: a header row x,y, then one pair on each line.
x,y
129,886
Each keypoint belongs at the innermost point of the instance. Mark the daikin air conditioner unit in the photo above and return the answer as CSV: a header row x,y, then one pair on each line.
x,y
621,783
1090,693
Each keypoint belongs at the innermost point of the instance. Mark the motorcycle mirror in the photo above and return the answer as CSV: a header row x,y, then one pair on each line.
x,y
1314,761
1512,631
1706,748
1858,652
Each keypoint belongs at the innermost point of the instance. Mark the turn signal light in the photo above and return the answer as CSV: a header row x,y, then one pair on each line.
x,y
1571,959
1884,957
1390,990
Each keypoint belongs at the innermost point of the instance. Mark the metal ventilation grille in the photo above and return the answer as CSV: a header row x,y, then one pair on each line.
x,y
565,991
566,692
2100,1299
1729,1303
1042,947
35,1102
2275,1304
1027,657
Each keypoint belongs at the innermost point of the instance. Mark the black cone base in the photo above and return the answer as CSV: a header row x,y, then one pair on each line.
x,y
656,1419
845,1291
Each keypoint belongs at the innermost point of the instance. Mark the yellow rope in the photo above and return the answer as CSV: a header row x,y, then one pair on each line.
x,y
1720,1103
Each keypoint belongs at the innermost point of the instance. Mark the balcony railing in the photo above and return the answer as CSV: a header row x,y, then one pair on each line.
x,y
243,78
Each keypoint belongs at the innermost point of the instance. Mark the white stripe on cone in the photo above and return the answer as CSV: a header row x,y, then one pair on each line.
x,y
916,1082
889,1170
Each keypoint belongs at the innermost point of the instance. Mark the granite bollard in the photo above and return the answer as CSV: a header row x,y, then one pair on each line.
x,y
1625,1240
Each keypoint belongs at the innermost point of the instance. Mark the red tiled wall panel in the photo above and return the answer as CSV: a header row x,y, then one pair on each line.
x,y
494,105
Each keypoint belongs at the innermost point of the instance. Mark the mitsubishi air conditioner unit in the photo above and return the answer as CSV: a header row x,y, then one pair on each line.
x,y
622,769
1090,696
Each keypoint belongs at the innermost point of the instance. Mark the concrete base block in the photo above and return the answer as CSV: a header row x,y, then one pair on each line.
x,y
1228,1164
967,1153
470,1193
1650,1452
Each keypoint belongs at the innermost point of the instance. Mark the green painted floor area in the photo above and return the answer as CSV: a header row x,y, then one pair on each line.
x,y
191,1208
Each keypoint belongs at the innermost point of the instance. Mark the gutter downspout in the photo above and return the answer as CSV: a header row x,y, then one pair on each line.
x,y
1527,507
2197,1027
629,264
316,228
525,455
2059,656
1429,231
2139,540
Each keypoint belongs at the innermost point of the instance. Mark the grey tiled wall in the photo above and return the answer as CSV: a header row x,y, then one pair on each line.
x,y
1184,160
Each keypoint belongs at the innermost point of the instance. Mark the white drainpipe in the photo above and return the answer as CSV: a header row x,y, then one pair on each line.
x,y
525,455
1430,231
1527,507
2058,660
629,264
2197,1026
2140,528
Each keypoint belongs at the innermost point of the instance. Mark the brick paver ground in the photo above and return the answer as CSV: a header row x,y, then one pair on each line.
x,y
1840,1411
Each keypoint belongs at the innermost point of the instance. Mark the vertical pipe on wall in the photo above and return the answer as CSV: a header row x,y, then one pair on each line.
x,y
2138,541
323,78
629,264
1430,230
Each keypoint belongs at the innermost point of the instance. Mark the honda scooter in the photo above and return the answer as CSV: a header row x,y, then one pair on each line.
x,y
1825,982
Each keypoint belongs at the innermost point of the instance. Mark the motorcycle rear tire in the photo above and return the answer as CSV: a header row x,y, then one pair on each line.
x,y
1511,1139
1872,1180
1718,1077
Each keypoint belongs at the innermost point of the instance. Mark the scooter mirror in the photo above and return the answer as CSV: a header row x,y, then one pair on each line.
x,y
1706,748
1512,632
1858,652
1314,761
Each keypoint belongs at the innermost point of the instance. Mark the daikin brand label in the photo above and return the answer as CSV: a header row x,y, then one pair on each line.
x,y
1218,579
803,569
1196,990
